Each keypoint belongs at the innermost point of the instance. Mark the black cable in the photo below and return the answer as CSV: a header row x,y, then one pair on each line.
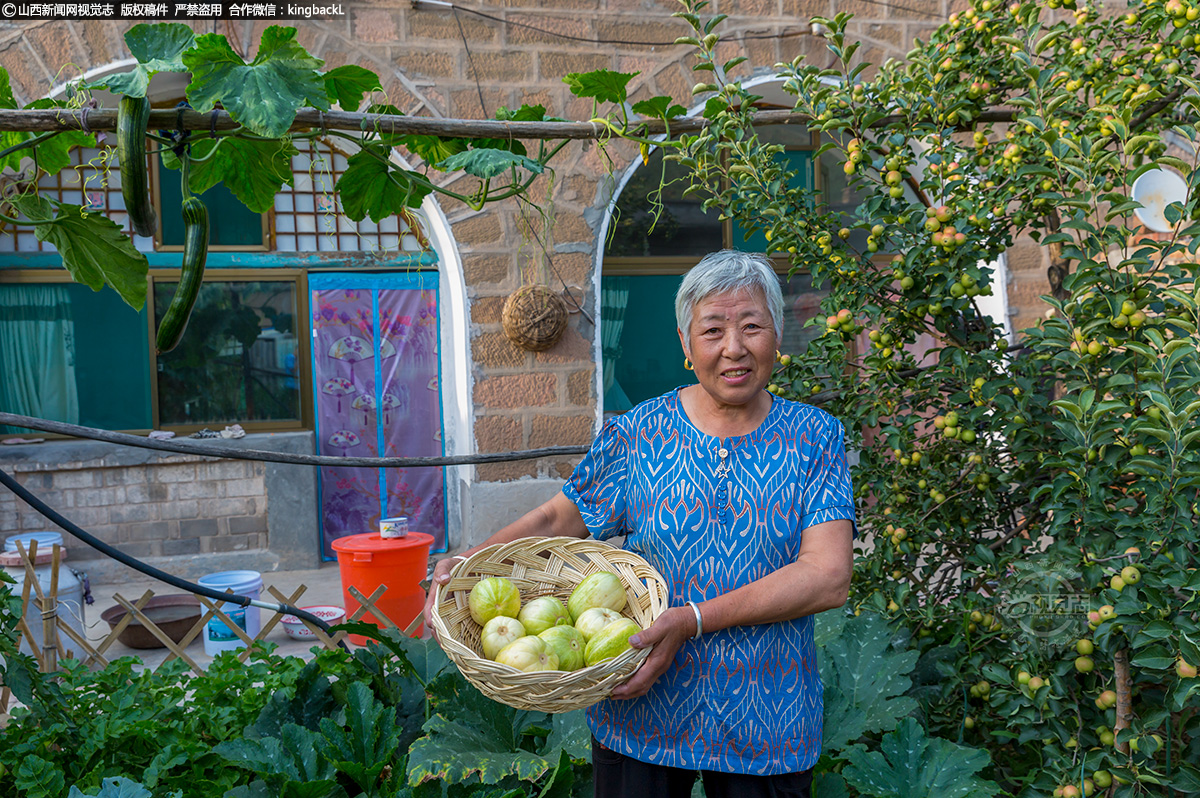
x,y
232,453
751,36
586,40
471,61
149,570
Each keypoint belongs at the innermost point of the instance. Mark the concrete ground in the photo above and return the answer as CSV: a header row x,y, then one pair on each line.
x,y
322,586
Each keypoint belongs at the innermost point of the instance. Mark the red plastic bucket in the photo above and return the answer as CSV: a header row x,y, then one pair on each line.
x,y
399,564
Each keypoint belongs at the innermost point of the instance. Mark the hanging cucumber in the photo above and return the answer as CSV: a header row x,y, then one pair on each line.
x,y
195,252
133,113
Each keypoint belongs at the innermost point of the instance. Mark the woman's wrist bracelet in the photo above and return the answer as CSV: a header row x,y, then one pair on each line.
x,y
699,621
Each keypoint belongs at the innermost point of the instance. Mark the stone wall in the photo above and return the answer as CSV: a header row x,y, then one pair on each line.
x,y
192,515
522,400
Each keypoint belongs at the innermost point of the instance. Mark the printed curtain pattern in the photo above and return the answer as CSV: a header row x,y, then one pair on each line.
x,y
375,375
37,353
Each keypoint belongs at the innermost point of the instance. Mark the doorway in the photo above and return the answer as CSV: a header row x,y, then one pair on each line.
x,y
376,387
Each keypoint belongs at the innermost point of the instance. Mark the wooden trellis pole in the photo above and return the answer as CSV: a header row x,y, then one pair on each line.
x,y
46,120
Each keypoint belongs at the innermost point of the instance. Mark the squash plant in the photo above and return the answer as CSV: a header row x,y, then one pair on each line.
x,y
394,719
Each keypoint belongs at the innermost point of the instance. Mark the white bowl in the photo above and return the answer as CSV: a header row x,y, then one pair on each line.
x,y
295,628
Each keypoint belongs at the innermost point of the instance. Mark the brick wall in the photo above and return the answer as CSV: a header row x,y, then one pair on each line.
x,y
521,399
180,505
189,515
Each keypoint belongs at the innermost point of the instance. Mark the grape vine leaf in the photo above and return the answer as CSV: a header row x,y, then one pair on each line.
x,y
253,169
603,84
371,186
93,248
262,95
157,48
348,84
865,680
488,163
910,765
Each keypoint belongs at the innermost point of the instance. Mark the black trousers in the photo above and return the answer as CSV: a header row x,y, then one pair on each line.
x,y
619,776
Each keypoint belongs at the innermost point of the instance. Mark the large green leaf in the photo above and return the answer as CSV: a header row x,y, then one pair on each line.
x,y
158,48
39,778
473,736
371,186
253,169
603,84
488,163
54,154
827,784
660,107
432,149
425,658
290,764
310,700
569,732
348,84
561,779
93,248
10,138
911,765
366,744
262,95
865,681
116,787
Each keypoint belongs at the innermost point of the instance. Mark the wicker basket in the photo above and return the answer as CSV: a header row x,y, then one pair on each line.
x,y
544,567
534,317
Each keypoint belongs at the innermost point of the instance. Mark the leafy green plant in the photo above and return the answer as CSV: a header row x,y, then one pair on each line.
x,y
909,764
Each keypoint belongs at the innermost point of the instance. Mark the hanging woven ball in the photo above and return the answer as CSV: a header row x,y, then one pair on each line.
x,y
534,317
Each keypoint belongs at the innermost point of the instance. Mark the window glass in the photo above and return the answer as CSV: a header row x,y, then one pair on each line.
x,y
683,228
237,360
72,354
230,223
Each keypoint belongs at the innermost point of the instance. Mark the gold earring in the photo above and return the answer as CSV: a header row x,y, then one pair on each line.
x,y
687,364
778,356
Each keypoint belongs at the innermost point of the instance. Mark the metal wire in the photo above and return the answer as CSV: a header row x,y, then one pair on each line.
x,y
235,453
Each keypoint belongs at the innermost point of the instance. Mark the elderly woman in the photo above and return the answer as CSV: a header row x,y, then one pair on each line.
x,y
742,501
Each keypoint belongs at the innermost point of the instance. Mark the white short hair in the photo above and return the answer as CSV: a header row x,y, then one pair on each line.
x,y
726,271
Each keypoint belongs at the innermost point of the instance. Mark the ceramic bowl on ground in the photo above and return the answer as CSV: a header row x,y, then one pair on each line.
x,y
295,628
174,615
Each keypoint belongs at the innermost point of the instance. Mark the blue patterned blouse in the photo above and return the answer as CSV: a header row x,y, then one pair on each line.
x,y
746,699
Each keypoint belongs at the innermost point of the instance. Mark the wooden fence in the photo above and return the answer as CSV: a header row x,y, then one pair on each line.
x,y
59,637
